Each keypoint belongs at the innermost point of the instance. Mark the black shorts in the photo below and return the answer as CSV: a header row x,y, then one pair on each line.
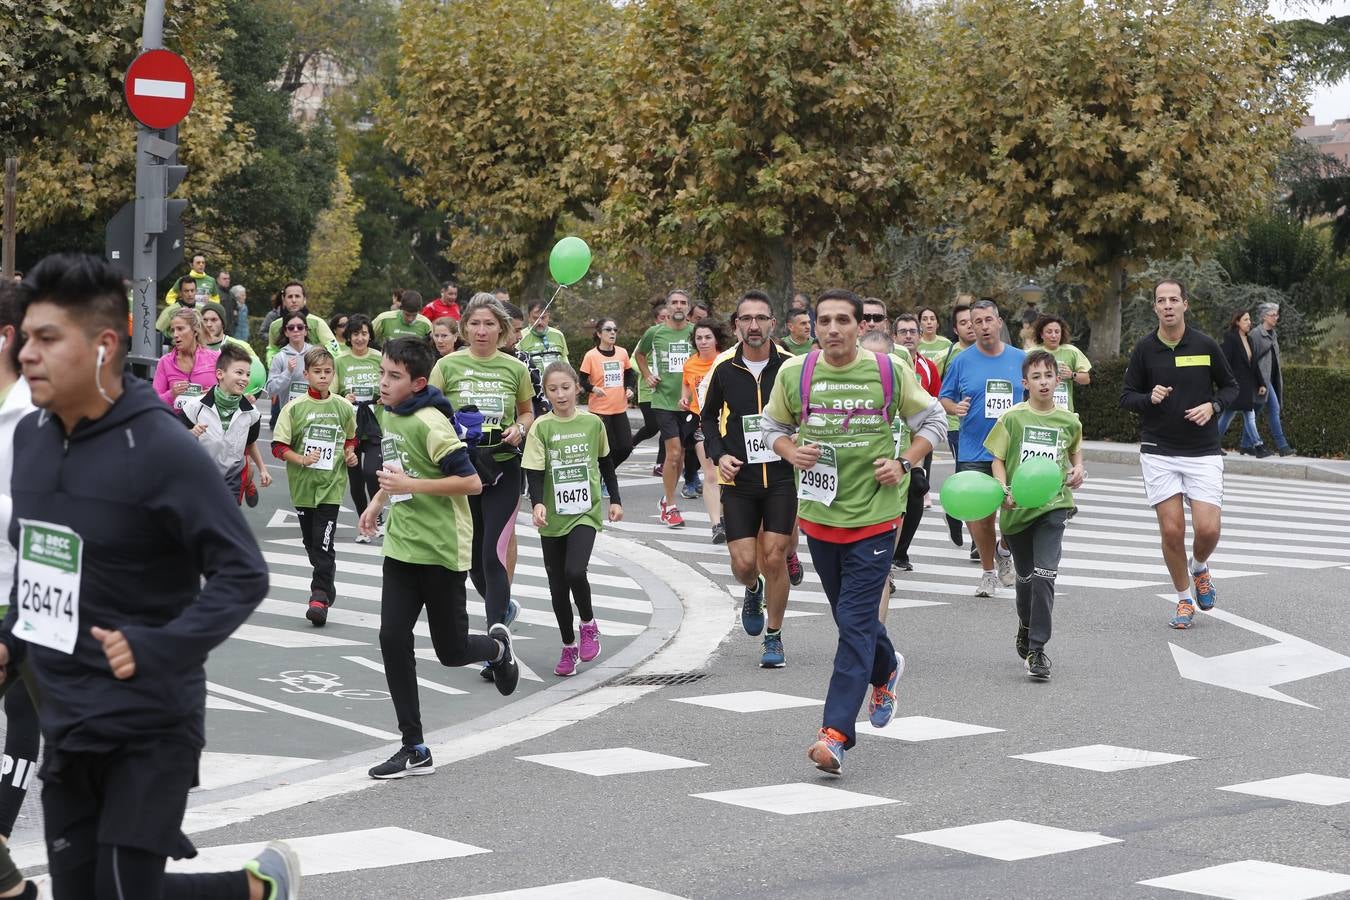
x,y
134,796
745,510
984,465
670,422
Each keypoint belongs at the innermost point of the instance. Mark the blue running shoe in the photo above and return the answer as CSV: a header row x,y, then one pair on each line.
x,y
1203,590
828,751
512,610
881,707
278,868
1185,614
773,657
752,610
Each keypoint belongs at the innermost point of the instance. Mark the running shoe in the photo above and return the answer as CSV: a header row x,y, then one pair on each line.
x,y
278,868
670,515
604,489
407,761
505,671
384,518
1261,451
955,530
689,491
486,673
567,662
719,532
795,571
881,706
1288,451
773,656
512,611
1203,589
1021,643
698,485
590,640
1038,665
828,751
361,538
974,554
250,493
988,585
927,501
1006,576
901,564
657,470
317,612
1185,613
752,609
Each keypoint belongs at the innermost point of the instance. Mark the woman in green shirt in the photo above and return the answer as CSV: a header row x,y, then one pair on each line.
x,y
932,345
1052,334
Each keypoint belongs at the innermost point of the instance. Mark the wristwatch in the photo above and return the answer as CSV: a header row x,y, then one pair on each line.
x,y
1218,407
906,465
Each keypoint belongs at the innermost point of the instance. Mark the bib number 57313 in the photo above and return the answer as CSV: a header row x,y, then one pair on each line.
x,y
50,560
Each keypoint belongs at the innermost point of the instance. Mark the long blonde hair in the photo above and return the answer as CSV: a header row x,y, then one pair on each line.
x,y
194,320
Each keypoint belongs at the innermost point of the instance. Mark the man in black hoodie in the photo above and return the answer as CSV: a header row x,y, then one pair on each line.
x,y
118,515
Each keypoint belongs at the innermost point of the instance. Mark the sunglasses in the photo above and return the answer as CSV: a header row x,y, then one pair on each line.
x,y
874,317
297,327
342,324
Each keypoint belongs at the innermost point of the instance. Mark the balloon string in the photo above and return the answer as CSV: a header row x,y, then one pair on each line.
x,y
546,306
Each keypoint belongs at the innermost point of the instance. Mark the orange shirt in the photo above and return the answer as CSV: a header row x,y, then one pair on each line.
x,y
694,371
606,372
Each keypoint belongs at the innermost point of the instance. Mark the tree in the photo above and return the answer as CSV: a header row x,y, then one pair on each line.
x,y
1277,250
334,247
1094,136
493,117
759,134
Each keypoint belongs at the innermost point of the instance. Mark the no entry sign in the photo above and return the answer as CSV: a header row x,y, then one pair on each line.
x,y
159,88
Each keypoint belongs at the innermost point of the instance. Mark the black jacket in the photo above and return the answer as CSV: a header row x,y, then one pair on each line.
x,y
734,392
154,517
1244,370
1197,373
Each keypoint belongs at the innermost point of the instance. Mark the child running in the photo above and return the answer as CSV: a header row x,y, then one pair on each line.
x,y
358,379
1036,427
565,458
427,477
226,424
323,428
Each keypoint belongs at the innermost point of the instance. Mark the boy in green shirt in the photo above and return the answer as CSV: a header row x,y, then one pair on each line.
x,y
313,433
1036,427
427,478
406,321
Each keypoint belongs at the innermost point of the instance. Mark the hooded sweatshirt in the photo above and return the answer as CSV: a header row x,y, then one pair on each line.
x,y
17,404
282,382
154,518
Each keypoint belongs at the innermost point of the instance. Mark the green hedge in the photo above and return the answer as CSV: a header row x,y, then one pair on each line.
x,y
1314,414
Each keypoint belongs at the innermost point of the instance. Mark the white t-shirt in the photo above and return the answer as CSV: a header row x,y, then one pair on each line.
x,y
756,368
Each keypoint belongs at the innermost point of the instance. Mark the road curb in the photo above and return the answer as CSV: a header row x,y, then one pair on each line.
x,y
1293,468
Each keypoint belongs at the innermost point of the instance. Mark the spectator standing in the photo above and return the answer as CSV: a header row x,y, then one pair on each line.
x,y
265,329
239,312
1237,349
1266,349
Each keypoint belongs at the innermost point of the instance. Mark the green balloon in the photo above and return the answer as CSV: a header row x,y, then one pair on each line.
x,y
1036,482
257,377
569,261
971,496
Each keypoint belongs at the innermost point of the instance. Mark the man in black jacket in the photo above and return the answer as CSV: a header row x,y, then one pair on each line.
x,y
1178,382
118,515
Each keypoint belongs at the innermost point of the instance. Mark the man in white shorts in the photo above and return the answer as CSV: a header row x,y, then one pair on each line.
x,y
1178,382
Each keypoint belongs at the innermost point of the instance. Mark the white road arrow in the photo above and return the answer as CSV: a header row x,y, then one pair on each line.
x,y
1258,670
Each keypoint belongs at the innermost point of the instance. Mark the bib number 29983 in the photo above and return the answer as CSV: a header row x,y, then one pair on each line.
x,y
50,558
820,483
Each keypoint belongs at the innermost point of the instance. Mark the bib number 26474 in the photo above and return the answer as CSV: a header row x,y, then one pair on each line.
x,y
50,558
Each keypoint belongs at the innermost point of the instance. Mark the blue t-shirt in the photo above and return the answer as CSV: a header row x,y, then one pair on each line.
x,y
993,384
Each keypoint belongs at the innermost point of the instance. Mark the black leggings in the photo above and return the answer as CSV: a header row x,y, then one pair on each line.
x,y
121,873
649,427
910,526
565,561
620,435
361,477
494,521
22,741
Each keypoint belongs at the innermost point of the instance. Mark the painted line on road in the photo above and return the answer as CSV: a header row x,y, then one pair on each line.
x,y
278,706
290,640
424,682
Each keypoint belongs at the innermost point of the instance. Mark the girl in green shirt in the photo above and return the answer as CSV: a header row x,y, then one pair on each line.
x,y
1052,334
358,379
932,345
565,459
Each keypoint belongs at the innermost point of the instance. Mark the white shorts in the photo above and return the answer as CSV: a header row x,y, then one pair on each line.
x,y
1193,477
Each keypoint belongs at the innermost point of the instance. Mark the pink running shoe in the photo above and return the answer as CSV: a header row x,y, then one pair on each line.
x,y
567,663
590,640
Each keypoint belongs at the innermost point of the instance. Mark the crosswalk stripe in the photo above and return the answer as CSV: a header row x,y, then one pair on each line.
x,y
973,574
1240,497
1089,497
429,654
527,549
424,682
290,640
619,581
349,851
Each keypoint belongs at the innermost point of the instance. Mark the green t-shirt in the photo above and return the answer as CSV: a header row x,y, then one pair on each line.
x,y
944,360
644,394
550,347
796,349
1021,433
496,385
425,529
359,375
935,350
1077,361
320,335
841,490
666,350
568,452
390,324
305,424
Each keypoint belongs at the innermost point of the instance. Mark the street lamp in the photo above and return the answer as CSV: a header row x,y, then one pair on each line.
x,y
1031,293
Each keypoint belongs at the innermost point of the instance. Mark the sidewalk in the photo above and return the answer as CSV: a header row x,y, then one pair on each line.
x,y
1296,467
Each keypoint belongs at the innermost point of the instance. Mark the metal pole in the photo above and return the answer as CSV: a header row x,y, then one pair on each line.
x,y
144,245
11,188
152,31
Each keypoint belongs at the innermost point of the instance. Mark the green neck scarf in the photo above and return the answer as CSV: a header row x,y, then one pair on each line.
x,y
226,406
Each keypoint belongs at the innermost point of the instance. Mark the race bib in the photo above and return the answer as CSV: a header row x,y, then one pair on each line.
x,y
50,557
492,407
676,356
571,490
298,389
323,438
1062,395
394,463
1039,442
364,393
613,375
900,431
820,482
756,451
998,397
192,390
543,357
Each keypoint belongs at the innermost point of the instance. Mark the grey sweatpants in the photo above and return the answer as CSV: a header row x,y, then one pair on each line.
x,y
1035,552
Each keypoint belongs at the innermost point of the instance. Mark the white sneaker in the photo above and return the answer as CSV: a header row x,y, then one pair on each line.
x,y
988,585
361,538
1006,576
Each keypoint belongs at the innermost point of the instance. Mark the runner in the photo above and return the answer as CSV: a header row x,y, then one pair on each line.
x,y
965,339
907,336
1052,333
293,300
315,435
932,345
979,387
189,369
407,320
213,329
759,493
358,379
427,474
660,314
544,345
183,296
1038,427
708,344
564,463
497,385
539,405
1178,381
607,375
445,336
840,402
661,355
121,663
286,380
446,306
337,323
798,340
226,424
